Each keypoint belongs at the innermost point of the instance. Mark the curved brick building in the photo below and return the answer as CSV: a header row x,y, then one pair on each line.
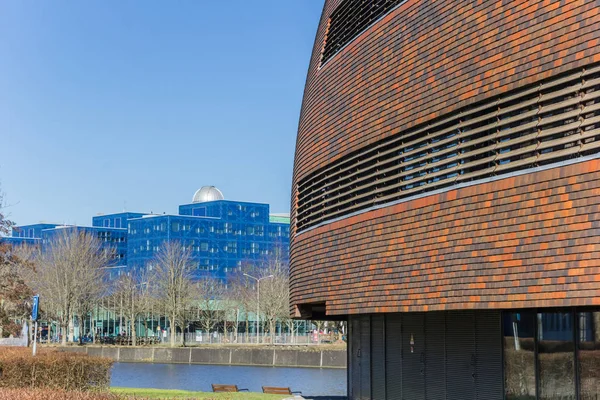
x,y
446,196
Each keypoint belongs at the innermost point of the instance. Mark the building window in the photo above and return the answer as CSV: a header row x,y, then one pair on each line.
x,y
556,353
175,227
588,346
519,356
542,347
199,212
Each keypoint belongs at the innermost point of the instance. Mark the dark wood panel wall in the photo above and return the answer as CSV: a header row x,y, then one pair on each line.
x,y
524,241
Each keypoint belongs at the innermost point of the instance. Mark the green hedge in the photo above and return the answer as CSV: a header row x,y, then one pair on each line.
x,y
53,370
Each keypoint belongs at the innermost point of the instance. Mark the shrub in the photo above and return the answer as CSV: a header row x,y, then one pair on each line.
x,y
43,394
53,370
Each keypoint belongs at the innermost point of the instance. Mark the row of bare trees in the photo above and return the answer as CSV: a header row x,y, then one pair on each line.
x,y
14,293
71,276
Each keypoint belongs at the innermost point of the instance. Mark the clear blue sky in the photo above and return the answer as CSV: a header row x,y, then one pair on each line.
x,y
136,104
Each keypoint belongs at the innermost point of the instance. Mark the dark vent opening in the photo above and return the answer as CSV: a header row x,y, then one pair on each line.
x,y
351,18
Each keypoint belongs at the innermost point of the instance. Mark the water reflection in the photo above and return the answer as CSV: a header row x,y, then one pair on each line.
x,y
556,348
519,356
311,381
589,355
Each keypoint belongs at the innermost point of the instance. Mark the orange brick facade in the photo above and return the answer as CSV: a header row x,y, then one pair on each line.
x,y
428,58
530,240
526,241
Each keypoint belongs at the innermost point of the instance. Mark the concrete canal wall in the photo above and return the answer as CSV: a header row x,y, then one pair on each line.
x,y
223,356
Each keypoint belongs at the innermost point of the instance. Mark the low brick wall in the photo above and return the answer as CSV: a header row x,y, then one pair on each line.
x,y
220,356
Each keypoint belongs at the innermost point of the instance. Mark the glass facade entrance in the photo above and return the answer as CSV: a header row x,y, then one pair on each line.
x,y
552,355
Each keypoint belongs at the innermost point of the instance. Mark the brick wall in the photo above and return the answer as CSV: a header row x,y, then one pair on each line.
x,y
482,246
526,241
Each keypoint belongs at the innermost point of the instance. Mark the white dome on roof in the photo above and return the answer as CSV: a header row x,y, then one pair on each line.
x,y
207,193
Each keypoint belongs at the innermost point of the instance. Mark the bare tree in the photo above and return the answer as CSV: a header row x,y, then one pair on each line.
x,y
275,292
70,275
171,283
14,292
5,223
208,294
133,288
241,294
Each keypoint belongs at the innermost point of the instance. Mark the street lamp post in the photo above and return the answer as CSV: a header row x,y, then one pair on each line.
x,y
258,301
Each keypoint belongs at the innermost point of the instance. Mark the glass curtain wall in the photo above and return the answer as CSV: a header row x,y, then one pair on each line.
x,y
589,355
556,356
519,356
552,355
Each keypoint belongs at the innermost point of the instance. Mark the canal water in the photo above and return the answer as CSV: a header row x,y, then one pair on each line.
x,y
310,381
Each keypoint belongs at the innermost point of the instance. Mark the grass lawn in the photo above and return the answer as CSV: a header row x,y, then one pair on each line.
x,y
184,394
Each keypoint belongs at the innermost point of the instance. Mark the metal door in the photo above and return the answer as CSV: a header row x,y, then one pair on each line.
x,y
365,357
413,360
377,357
488,339
393,356
354,349
460,355
435,368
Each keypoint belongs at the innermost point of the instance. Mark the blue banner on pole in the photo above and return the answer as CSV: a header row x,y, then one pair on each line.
x,y
34,308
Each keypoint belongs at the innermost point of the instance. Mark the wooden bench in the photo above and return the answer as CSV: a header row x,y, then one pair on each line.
x,y
278,390
226,388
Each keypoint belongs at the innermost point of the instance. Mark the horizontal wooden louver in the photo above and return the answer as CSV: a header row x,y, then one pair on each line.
x,y
546,123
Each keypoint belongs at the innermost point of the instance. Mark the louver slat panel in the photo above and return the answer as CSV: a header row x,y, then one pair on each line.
x,y
521,130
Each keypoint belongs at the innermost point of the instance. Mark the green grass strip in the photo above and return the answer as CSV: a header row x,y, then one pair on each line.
x,y
184,394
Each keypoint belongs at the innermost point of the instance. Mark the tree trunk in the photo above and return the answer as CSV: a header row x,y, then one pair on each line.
x,y
94,329
71,332
133,331
63,334
173,330
237,323
81,330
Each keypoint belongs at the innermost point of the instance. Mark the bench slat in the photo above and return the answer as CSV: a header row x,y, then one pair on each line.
x,y
224,388
276,390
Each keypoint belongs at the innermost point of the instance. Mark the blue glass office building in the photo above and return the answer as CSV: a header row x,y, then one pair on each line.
x,y
222,235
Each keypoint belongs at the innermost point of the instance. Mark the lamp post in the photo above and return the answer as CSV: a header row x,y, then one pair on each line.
x,y
258,300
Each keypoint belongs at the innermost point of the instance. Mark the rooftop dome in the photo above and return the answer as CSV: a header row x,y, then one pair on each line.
x,y
207,193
